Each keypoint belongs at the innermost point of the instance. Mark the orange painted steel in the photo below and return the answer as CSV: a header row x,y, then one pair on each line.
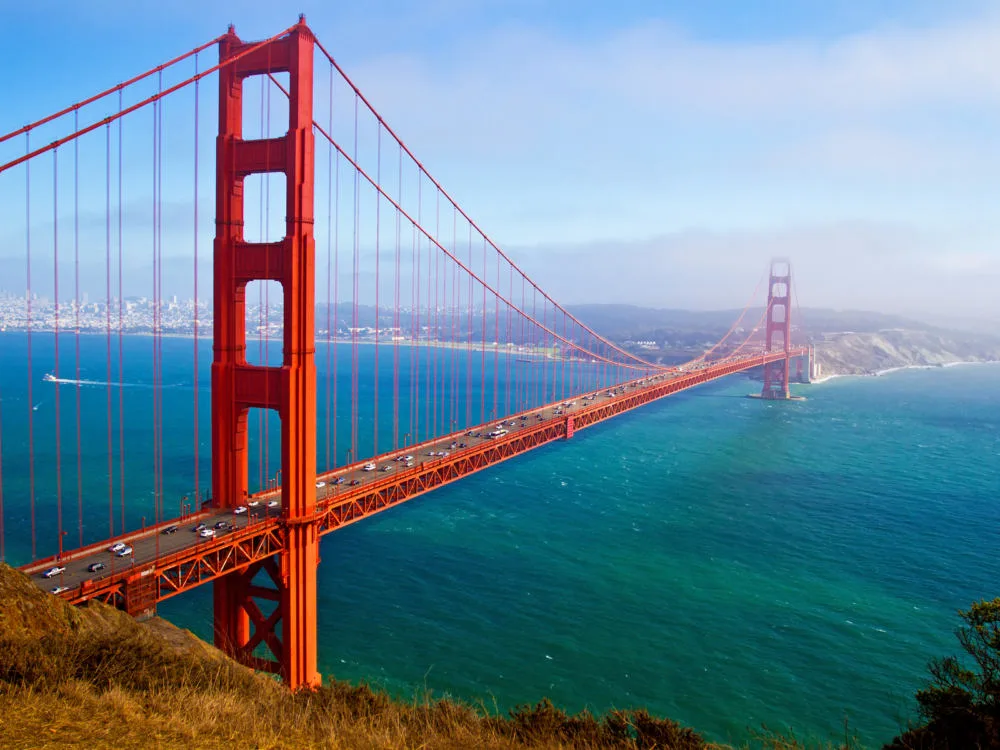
x,y
264,573
779,321
244,550
290,389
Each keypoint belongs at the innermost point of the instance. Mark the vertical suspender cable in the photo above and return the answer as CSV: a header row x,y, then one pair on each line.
x,y
396,333
496,343
438,296
508,406
452,342
533,331
55,338
416,308
336,292
76,330
428,384
357,288
195,285
31,402
468,345
482,348
121,329
329,273
378,234
414,335
156,307
107,326
545,354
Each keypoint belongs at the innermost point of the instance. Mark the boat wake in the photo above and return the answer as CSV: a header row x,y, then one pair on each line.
x,y
50,378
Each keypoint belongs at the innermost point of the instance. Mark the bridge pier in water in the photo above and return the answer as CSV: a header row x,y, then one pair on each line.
x,y
779,321
286,624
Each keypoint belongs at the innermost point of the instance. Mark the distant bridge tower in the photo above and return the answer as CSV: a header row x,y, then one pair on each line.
x,y
779,321
284,622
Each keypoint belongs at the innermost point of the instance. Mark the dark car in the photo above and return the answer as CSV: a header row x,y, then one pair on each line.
x,y
94,567
355,482
222,525
169,530
199,527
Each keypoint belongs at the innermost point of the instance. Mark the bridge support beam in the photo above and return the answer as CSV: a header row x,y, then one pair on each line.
x,y
779,321
240,625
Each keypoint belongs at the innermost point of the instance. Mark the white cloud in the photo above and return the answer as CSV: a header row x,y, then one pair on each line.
x,y
870,159
843,265
509,85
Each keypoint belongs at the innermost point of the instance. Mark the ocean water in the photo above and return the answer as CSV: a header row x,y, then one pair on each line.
x,y
719,560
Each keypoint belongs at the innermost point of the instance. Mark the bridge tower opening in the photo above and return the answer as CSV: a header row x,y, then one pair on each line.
x,y
286,624
779,323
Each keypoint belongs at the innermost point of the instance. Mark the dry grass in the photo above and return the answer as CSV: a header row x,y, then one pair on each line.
x,y
92,677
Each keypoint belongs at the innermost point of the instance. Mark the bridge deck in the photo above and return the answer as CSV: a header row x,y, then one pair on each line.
x,y
164,565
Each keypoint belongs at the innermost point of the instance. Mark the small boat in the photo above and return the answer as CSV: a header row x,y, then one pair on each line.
x,y
50,378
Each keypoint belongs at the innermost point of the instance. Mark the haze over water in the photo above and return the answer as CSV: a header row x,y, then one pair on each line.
x,y
722,561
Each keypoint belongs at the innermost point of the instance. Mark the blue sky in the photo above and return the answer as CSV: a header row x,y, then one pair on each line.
x,y
679,144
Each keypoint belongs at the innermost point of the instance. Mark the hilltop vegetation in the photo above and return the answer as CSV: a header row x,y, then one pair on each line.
x,y
93,677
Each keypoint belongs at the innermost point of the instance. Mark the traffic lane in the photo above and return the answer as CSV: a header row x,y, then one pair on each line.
x,y
147,548
422,453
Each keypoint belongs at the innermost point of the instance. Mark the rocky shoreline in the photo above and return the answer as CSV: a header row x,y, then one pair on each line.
x,y
874,354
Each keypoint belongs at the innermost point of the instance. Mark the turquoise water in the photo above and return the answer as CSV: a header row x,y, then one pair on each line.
x,y
720,560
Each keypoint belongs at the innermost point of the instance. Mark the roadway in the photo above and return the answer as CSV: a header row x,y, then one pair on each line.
x,y
332,487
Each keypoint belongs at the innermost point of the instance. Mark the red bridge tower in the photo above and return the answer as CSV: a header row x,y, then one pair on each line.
x,y
286,625
779,321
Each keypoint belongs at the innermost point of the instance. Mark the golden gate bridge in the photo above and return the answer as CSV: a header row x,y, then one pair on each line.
x,y
450,358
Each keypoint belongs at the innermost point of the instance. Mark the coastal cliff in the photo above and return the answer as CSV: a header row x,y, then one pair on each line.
x,y
869,353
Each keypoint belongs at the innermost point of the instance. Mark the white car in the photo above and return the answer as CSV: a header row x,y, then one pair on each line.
x,y
253,503
387,467
124,551
241,509
207,533
54,571
320,485
60,589
273,504
116,547
369,467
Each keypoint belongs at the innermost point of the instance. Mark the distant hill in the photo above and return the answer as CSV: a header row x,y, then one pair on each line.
x,y
634,322
847,341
